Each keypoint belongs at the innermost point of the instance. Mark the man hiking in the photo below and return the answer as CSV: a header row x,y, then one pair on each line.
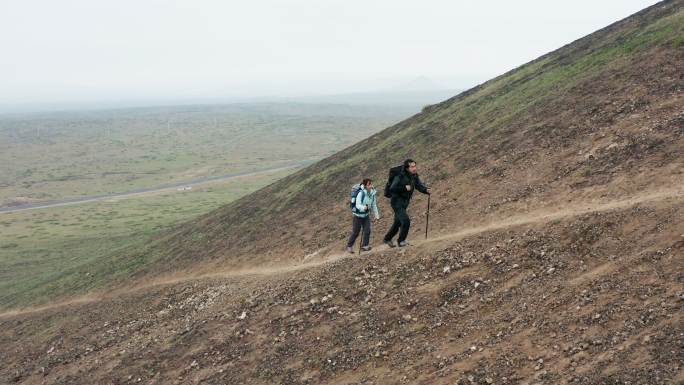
x,y
362,202
400,189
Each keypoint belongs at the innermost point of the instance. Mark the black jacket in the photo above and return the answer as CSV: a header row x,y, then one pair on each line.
x,y
398,186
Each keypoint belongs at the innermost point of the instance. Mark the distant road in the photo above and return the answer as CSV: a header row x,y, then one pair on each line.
x,y
93,198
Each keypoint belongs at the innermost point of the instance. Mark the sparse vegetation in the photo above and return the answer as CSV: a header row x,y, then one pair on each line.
x,y
554,255
52,252
529,113
58,251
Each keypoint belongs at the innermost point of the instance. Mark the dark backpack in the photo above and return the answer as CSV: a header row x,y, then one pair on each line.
x,y
393,172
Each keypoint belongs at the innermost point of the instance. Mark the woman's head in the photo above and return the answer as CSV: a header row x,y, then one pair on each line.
x,y
367,183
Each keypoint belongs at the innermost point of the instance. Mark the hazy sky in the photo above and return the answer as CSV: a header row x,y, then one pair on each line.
x,y
90,50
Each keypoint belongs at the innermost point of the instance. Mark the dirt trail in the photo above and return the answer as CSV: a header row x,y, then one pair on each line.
x,y
676,192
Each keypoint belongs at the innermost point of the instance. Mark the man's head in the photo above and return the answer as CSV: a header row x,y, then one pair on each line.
x,y
410,166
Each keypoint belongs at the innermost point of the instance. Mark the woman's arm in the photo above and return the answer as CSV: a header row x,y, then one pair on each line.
x,y
374,205
360,206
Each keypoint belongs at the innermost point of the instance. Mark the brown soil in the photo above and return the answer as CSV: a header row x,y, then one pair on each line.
x,y
555,255
592,295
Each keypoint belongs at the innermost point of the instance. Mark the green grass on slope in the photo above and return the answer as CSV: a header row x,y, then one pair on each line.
x,y
504,99
452,127
476,115
63,250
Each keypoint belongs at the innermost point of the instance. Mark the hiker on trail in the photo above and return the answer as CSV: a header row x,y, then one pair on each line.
x,y
362,202
403,180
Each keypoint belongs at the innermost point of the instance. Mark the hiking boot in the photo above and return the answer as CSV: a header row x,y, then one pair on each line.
x,y
403,244
350,249
389,243
366,248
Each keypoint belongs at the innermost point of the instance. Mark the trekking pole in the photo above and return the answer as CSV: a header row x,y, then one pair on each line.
x,y
427,219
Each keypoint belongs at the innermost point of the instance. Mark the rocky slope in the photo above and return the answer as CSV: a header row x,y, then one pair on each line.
x,y
601,117
555,256
589,295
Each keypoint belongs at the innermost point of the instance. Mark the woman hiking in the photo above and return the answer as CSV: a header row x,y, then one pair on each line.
x,y
363,203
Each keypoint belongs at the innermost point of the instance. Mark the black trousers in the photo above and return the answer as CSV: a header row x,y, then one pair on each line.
x,y
401,220
357,224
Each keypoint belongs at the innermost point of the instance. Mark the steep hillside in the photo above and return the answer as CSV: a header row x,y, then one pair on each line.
x,y
555,255
600,118
589,295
